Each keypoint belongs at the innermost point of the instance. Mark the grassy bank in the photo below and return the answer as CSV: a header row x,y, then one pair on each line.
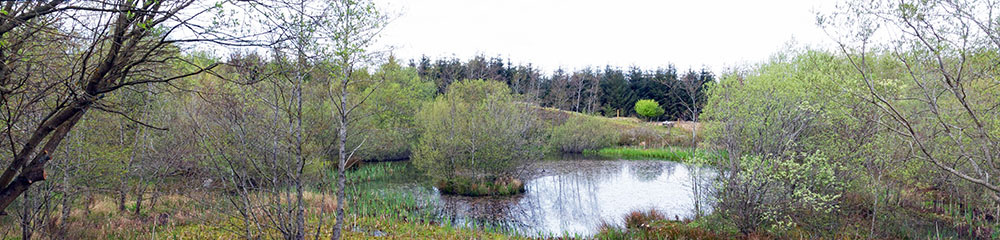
x,y
668,153
574,132
676,154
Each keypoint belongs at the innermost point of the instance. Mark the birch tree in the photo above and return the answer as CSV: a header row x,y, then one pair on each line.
x,y
60,58
355,28
943,96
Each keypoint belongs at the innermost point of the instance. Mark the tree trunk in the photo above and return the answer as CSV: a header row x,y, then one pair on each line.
x,y
139,192
66,206
35,170
26,229
153,199
874,208
300,219
341,162
88,204
122,197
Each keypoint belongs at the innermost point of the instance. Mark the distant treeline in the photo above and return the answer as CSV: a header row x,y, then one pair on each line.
x,y
611,91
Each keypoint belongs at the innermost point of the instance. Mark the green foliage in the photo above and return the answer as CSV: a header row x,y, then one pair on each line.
x,y
477,130
778,195
610,91
772,121
782,106
616,94
389,128
581,133
806,101
935,80
648,108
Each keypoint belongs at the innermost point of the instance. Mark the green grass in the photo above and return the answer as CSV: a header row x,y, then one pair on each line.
x,y
372,192
669,153
676,154
387,193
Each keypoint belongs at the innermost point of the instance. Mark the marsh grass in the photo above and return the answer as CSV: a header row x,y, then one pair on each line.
x,y
481,187
642,219
669,154
653,225
676,154
373,209
386,192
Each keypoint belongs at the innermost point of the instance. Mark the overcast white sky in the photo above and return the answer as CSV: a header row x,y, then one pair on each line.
x,y
578,33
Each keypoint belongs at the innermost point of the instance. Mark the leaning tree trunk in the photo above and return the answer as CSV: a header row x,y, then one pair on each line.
x,y
56,128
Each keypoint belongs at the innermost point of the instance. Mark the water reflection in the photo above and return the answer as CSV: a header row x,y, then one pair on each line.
x,y
576,196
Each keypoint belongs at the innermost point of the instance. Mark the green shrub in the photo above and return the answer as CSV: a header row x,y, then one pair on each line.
x,y
778,195
580,133
389,130
480,186
479,131
648,108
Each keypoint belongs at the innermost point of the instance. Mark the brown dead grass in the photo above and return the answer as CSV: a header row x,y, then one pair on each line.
x,y
174,211
689,126
326,202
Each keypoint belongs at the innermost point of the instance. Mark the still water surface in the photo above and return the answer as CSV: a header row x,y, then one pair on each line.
x,y
574,196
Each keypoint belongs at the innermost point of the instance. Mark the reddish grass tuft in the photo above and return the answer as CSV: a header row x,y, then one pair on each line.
x,y
641,219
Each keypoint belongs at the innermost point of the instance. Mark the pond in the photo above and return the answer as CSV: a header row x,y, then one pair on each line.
x,y
575,195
